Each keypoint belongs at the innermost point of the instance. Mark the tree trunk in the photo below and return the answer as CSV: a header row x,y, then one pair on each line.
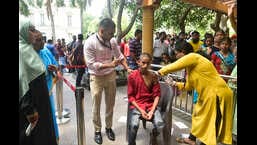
x,y
119,17
109,8
81,19
50,14
223,24
120,33
215,26
233,22
182,24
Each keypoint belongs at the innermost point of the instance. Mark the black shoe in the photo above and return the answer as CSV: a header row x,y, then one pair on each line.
x,y
110,134
98,138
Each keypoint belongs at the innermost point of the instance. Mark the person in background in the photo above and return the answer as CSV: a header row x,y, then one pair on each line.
x,y
165,59
212,113
195,41
223,59
50,46
135,49
122,44
233,42
143,94
79,59
70,49
157,35
207,42
70,45
159,47
126,49
34,103
60,57
171,50
218,36
102,55
181,39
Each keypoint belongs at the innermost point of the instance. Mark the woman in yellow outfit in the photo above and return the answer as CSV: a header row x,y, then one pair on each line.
x,y
212,114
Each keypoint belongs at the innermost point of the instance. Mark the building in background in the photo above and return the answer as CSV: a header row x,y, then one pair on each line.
x,y
66,21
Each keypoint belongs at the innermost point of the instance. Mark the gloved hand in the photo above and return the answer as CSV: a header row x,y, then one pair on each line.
x,y
169,80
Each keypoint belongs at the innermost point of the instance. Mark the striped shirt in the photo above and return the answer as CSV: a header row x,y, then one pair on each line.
x,y
97,52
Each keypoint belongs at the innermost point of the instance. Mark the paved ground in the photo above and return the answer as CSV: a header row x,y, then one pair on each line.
x,y
68,131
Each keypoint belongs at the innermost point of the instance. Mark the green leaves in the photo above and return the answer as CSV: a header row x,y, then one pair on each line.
x,y
173,14
60,3
23,8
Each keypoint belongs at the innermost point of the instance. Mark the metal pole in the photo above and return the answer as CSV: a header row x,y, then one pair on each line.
x,y
59,97
79,95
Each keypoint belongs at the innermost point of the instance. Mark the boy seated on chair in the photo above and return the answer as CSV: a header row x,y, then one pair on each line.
x,y
143,95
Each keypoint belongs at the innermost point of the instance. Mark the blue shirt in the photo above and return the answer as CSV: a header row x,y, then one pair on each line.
x,y
51,49
48,59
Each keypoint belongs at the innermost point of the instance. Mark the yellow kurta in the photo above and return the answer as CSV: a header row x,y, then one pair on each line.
x,y
202,76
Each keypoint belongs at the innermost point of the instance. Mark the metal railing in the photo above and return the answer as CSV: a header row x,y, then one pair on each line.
x,y
183,101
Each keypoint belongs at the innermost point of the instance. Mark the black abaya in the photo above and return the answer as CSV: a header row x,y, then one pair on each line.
x,y
37,98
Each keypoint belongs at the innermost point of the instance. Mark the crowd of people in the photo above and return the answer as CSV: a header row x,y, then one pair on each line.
x,y
203,61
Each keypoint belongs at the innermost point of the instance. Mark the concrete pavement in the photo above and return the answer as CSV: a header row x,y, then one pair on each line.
x,y
68,131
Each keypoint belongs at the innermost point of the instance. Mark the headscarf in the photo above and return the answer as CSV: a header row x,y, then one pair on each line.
x,y
30,64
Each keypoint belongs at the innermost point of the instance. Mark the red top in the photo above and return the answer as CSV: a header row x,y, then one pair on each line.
x,y
139,92
126,50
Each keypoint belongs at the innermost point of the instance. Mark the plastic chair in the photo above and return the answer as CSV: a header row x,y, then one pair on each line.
x,y
165,105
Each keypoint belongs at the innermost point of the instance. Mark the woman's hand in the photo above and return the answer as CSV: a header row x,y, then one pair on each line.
x,y
33,118
52,67
169,80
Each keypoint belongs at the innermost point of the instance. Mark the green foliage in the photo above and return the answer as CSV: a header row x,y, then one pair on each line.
x,y
23,8
104,13
39,3
24,5
72,3
30,2
60,3
129,8
89,24
169,14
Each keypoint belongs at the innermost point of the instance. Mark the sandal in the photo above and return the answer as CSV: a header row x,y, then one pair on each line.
x,y
185,141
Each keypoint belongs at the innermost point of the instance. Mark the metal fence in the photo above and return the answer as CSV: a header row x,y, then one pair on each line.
x,y
183,101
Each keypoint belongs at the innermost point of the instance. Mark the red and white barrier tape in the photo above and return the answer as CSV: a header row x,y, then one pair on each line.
x,y
73,88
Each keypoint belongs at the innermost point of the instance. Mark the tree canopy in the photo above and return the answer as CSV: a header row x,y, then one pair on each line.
x,y
178,16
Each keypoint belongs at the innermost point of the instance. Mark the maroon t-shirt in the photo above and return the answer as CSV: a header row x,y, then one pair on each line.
x,y
139,92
